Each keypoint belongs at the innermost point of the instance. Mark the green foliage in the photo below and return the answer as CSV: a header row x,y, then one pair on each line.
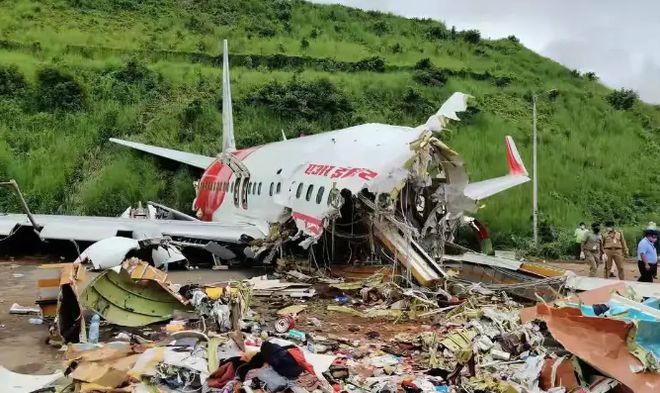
x,y
57,90
591,76
472,36
12,82
318,100
622,99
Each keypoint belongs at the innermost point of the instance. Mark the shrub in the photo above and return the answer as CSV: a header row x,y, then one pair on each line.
x,y
380,27
315,100
436,32
415,104
304,44
472,36
513,39
622,99
136,72
591,76
430,77
12,81
396,48
375,64
423,64
59,91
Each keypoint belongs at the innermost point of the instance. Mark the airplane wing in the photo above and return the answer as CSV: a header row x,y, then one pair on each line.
x,y
517,175
82,228
195,160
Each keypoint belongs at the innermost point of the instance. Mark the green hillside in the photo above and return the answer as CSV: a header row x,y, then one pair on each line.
x,y
74,73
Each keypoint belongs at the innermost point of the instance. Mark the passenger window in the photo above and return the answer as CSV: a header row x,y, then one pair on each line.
x,y
279,188
319,195
272,186
232,187
259,189
310,190
299,190
254,188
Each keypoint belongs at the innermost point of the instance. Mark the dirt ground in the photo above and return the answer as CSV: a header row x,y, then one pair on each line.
x,y
582,269
23,348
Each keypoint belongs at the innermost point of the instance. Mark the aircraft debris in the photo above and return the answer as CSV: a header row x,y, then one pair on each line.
x,y
24,383
458,339
137,295
112,251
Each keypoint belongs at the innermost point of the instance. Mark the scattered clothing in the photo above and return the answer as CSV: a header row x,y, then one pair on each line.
x,y
280,360
273,382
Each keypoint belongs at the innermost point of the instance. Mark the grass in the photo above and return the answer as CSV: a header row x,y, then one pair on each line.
x,y
592,158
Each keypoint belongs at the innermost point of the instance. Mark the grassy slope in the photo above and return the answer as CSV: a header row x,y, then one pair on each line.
x,y
590,154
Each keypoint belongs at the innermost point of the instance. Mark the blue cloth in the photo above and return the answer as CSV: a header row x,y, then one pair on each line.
x,y
645,247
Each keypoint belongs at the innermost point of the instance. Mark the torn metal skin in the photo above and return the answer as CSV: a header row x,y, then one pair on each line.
x,y
137,295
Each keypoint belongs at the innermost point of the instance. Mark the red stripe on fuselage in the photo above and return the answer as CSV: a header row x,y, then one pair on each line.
x,y
211,191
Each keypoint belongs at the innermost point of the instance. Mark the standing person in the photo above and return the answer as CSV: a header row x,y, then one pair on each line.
x,y
647,256
580,232
616,249
592,246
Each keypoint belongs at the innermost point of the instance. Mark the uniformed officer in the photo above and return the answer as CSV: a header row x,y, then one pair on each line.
x,y
592,246
615,248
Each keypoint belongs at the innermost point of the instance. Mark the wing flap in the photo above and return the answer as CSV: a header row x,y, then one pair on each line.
x,y
192,159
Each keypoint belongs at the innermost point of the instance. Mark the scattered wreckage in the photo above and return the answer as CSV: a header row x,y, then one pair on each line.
x,y
260,335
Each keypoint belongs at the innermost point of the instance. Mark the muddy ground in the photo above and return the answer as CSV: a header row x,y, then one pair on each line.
x,y
23,348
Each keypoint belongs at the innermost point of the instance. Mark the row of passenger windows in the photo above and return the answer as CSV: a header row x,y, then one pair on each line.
x,y
254,188
310,192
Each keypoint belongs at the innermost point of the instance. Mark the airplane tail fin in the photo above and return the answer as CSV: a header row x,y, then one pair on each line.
x,y
228,141
517,175
516,165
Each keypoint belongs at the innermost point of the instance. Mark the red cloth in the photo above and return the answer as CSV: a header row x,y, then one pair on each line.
x,y
300,359
221,376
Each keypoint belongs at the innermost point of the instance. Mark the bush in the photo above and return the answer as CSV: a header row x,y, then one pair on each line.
x,y
430,77
436,32
12,81
622,99
136,72
380,28
591,76
472,36
59,91
423,64
315,100
513,39
415,104
374,64
304,44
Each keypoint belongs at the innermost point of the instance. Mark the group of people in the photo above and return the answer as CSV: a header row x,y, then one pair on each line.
x,y
612,248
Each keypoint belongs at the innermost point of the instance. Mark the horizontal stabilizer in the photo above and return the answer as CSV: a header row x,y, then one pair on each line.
x,y
194,160
517,175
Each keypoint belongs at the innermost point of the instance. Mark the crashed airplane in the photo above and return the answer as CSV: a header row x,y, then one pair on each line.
x,y
349,194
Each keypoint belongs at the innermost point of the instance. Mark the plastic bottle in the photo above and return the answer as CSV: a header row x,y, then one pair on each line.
x,y
93,336
36,321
